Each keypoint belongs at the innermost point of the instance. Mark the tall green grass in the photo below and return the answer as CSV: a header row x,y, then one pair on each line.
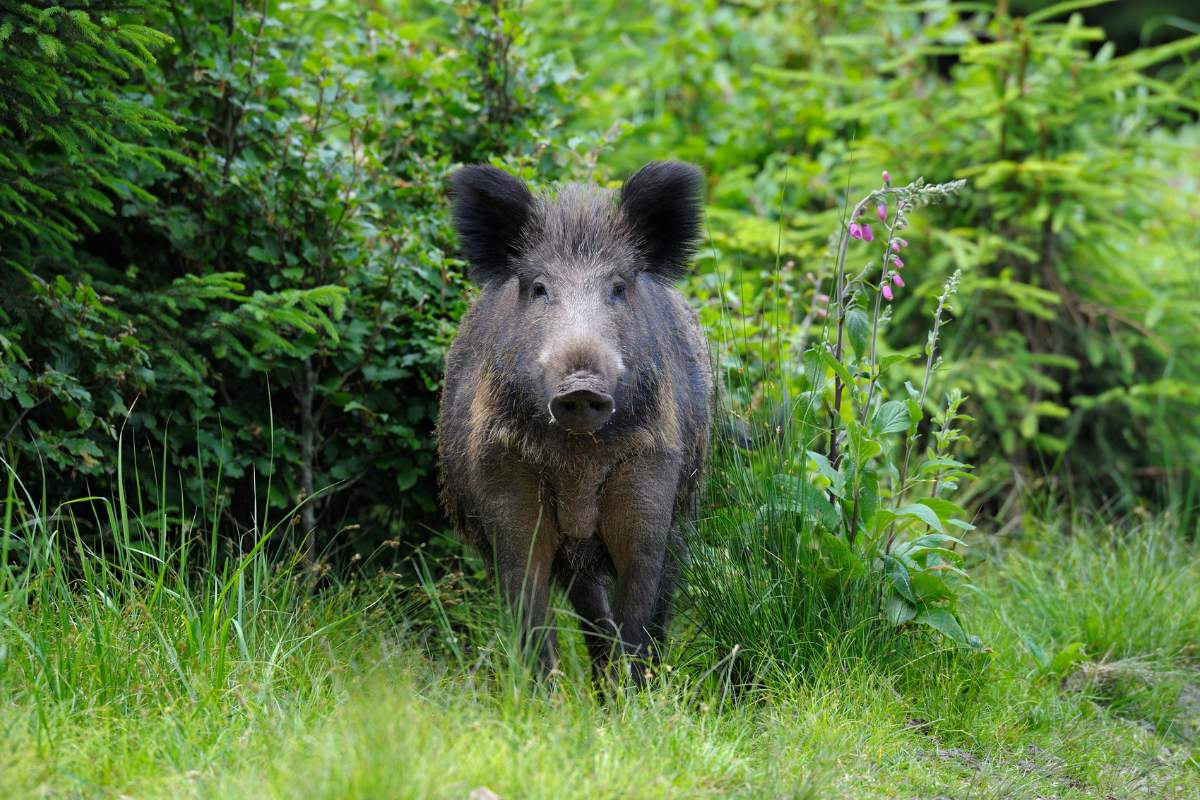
x,y
157,664
764,580
1110,609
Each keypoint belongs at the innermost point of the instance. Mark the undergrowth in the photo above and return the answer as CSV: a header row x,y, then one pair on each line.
x,y
163,667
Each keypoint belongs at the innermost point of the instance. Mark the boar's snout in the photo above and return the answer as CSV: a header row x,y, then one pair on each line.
x,y
581,372
582,404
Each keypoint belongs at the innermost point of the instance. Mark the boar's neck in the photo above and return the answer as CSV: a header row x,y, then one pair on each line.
x,y
577,497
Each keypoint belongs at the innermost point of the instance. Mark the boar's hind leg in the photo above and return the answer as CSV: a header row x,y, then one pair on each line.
x,y
589,598
635,525
672,567
687,503
524,539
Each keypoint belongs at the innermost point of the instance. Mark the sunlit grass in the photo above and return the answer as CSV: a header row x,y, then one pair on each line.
x,y
164,671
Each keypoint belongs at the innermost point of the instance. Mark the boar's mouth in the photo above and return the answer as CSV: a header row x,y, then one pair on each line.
x,y
581,403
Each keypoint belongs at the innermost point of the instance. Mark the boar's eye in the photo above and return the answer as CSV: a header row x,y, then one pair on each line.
x,y
618,289
539,289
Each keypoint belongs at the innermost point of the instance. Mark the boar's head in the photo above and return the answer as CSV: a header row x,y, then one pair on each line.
x,y
575,282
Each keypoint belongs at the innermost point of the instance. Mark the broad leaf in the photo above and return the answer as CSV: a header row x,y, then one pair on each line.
x,y
898,574
921,512
944,622
892,417
898,611
858,330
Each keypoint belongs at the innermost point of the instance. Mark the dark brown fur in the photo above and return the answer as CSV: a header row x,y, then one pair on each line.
x,y
576,295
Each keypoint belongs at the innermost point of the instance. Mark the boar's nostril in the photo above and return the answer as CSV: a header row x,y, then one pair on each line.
x,y
582,410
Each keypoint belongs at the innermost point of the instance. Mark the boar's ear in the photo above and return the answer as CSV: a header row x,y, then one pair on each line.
x,y
491,208
663,201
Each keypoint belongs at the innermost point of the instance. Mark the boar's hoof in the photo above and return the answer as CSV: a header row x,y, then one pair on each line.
x,y
582,410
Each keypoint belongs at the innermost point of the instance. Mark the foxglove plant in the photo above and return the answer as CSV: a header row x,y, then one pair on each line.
x,y
917,193
890,521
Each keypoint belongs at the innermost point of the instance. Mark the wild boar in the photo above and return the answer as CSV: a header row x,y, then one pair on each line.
x,y
575,415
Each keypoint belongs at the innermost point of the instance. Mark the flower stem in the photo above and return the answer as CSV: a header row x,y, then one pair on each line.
x,y
841,294
883,278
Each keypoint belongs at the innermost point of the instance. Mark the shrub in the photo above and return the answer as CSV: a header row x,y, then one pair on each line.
x,y
260,280
71,138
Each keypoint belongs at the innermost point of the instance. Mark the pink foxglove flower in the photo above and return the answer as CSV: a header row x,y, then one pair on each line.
x,y
895,246
896,260
855,231
881,210
867,236
821,313
896,279
887,178
887,292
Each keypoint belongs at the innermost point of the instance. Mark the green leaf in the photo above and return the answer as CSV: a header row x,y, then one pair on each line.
x,y
841,556
838,367
891,417
863,446
898,611
868,494
823,465
898,574
922,512
929,587
914,415
945,509
1067,658
938,540
858,329
891,359
944,622
836,479
934,464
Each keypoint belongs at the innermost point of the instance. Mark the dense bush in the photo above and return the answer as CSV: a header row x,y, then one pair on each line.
x,y
1075,344
239,251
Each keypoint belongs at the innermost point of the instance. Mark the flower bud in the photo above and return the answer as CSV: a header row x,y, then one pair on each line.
x,y
895,246
855,231
822,298
821,313
896,260
867,236
896,279
902,242
887,292
886,177
881,210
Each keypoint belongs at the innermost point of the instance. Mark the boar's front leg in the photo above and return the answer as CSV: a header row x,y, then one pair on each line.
x,y
520,526
636,514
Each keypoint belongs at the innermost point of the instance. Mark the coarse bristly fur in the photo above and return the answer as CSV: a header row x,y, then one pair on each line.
x,y
577,304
